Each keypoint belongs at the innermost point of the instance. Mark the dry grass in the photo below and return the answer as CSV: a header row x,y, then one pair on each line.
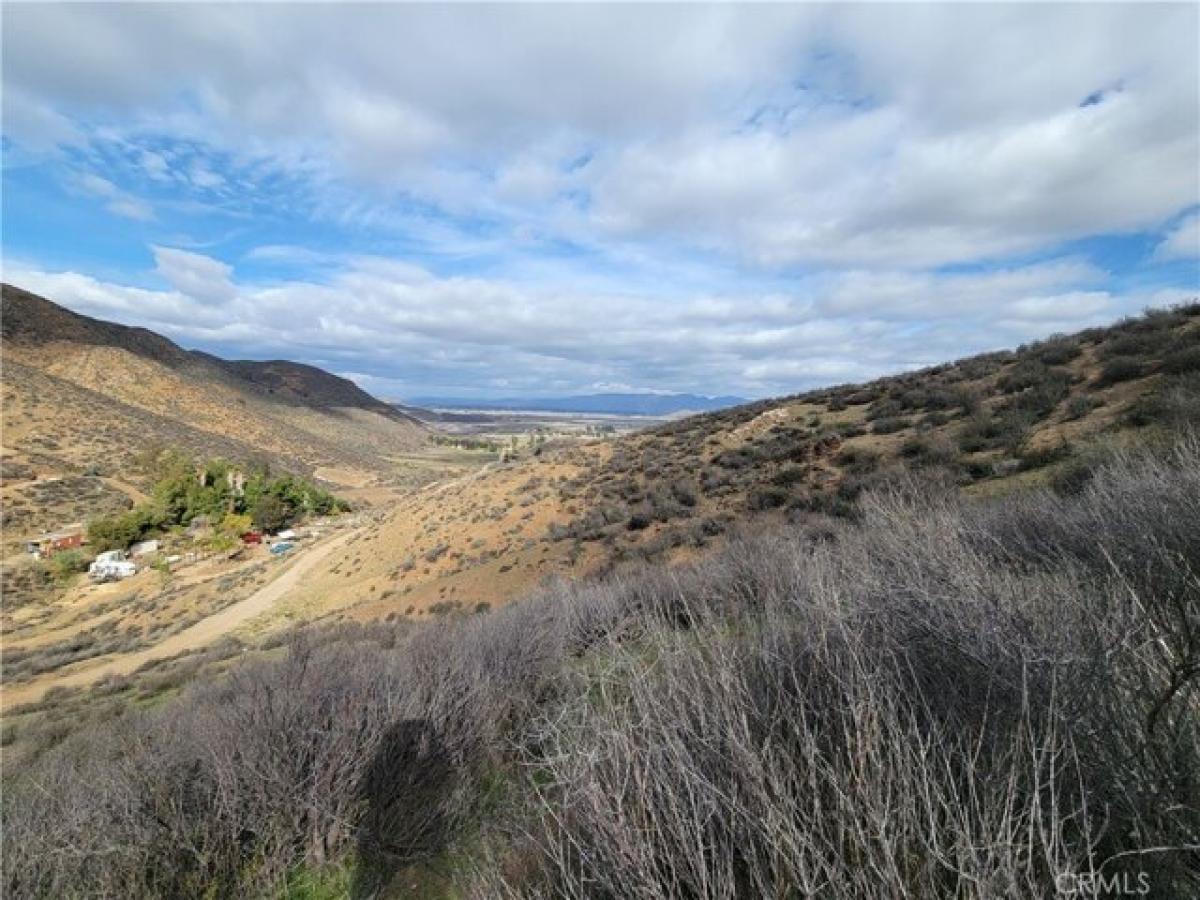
x,y
943,698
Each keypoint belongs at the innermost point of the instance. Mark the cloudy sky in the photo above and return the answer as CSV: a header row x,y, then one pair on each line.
x,y
532,200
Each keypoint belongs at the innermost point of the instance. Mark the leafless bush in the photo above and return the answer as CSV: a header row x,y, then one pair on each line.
x,y
951,701
941,699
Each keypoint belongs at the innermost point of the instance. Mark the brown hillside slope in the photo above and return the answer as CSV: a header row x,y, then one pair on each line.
x,y
992,423
297,416
33,321
989,423
69,452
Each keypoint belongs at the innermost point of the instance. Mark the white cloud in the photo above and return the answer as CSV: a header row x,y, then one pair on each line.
x,y
401,326
203,177
119,202
97,186
154,165
926,296
38,125
194,275
131,208
723,198
1182,242
882,188
880,135
290,254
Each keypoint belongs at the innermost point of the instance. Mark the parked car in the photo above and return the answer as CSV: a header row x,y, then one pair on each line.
x,y
281,548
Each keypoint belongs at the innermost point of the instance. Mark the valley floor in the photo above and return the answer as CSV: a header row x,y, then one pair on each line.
x,y
70,638
219,624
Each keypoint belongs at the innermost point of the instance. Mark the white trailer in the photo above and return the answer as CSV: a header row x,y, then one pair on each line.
x,y
111,565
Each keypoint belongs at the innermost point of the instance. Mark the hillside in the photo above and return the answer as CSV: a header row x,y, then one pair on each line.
x,y
992,423
83,398
33,321
940,699
895,539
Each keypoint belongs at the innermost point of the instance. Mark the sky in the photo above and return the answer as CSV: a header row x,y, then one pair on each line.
x,y
503,200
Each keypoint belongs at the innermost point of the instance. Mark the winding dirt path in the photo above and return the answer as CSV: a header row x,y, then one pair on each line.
x,y
194,637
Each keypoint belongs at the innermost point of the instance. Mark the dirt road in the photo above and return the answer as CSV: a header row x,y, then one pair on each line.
x,y
194,637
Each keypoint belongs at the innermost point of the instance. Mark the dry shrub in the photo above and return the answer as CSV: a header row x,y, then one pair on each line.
x,y
944,699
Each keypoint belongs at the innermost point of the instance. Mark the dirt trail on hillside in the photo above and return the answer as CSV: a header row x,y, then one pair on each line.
x,y
194,637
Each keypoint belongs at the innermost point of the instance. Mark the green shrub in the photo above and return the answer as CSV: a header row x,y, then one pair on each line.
x,y
306,883
889,425
977,469
926,450
1036,389
1072,477
789,476
1044,456
1182,361
1174,404
115,532
1121,368
1026,374
1007,429
850,430
1142,344
887,408
857,459
767,498
911,666
68,563
1080,406
1057,352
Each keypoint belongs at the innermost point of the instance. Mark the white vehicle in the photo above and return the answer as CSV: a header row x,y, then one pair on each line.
x,y
111,565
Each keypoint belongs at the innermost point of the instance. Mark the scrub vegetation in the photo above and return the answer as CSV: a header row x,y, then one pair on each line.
x,y
938,696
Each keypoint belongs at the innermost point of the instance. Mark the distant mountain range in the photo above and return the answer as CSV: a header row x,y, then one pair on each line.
x,y
614,404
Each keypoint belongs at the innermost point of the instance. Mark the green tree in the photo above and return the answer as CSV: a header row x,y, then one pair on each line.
x,y
271,513
114,532
68,563
236,524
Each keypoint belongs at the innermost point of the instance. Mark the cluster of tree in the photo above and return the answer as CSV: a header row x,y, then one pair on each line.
x,y
467,443
232,498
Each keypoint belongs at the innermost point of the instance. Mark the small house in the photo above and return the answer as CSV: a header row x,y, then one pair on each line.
x,y
57,541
